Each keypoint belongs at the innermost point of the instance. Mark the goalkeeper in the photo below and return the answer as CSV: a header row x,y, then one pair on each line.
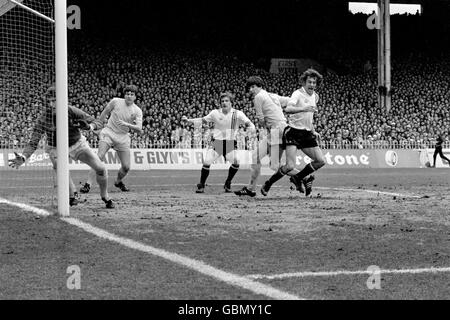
x,y
78,146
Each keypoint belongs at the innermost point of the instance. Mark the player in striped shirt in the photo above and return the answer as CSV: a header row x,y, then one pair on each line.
x,y
300,134
269,112
78,146
226,123
124,116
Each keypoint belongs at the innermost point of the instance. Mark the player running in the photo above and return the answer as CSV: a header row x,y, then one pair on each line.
x,y
124,115
226,122
300,134
78,146
438,150
269,112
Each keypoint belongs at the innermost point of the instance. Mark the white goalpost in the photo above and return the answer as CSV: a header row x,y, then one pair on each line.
x,y
33,56
62,101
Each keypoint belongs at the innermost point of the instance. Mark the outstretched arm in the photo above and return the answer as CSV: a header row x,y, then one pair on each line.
x,y
35,137
31,146
194,120
82,120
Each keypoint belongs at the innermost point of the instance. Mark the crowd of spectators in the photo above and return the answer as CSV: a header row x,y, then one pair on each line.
x,y
172,84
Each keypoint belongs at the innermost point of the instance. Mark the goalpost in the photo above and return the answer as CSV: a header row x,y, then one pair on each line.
x,y
33,56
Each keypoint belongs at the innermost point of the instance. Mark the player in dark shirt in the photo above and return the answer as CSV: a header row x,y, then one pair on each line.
x,y
438,150
78,146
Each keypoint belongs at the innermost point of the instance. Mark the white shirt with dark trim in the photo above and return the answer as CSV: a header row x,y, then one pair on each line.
x,y
302,120
224,126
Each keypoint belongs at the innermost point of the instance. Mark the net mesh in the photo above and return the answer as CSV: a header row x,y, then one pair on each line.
x,y
27,68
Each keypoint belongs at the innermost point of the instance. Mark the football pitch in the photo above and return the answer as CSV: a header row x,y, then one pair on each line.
x,y
363,234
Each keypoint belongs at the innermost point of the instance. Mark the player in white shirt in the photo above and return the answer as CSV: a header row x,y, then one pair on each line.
x,y
226,123
300,134
124,116
269,112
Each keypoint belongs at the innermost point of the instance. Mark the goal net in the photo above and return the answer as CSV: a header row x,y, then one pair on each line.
x,y
27,69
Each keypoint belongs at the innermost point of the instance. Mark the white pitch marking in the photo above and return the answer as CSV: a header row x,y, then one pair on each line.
x,y
344,272
25,207
199,266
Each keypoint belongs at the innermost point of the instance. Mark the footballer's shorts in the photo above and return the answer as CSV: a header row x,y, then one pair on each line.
x,y
300,138
119,142
225,148
75,150
275,135
264,149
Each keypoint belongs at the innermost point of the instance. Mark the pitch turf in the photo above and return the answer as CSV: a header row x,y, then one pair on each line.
x,y
345,226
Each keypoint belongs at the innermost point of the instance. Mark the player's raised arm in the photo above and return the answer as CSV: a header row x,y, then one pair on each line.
x,y
194,120
296,105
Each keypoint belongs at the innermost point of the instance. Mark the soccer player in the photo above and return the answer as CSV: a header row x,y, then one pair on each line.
x,y
78,146
438,150
300,134
124,115
226,123
269,112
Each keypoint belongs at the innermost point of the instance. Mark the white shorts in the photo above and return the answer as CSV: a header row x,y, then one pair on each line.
x,y
263,149
81,146
275,135
119,142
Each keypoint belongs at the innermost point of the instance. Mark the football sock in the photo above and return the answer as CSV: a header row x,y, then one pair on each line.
x,y
232,172
276,176
204,175
306,171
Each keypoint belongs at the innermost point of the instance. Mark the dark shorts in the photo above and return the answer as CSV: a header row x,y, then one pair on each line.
x,y
302,139
223,147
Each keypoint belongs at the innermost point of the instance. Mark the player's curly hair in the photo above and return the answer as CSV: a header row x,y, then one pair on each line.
x,y
227,94
254,80
130,88
311,73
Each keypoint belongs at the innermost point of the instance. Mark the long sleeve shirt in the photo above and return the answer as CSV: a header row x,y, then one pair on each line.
x,y
46,124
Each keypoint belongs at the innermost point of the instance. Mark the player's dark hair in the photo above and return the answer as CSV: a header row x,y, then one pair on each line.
x,y
311,73
254,80
130,88
227,94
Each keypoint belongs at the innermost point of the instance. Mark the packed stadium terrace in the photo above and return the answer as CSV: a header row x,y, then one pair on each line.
x,y
187,82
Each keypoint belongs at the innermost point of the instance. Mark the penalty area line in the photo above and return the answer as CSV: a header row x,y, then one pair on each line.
x,y
197,265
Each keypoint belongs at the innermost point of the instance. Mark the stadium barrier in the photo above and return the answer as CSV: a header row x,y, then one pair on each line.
x,y
191,159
